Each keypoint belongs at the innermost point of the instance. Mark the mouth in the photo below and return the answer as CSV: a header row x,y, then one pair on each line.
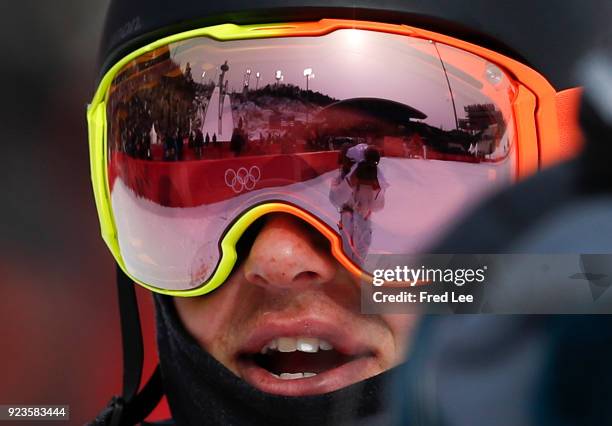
x,y
312,363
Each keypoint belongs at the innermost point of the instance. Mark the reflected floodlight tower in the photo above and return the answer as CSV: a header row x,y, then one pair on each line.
x,y
247,78
222,89
307,74
224,68
257,75
278,76
199,92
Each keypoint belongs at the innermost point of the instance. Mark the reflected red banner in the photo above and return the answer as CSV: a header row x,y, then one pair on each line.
x,y
197,182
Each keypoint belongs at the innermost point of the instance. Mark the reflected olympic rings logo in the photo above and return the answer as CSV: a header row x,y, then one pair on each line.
x,y
242,179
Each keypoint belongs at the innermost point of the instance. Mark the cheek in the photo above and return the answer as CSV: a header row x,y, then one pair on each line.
x,y
402,328
209,319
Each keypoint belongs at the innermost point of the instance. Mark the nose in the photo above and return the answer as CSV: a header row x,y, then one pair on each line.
x,y
287,253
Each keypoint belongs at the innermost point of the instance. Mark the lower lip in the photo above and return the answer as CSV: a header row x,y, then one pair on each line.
x,y
327,381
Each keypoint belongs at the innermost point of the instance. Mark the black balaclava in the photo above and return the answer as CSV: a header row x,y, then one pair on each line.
x,y
200,390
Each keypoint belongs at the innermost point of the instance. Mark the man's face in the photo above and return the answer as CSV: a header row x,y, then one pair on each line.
x,y
282,309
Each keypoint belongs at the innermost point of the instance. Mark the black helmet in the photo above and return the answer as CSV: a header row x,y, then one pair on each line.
x,y
546,35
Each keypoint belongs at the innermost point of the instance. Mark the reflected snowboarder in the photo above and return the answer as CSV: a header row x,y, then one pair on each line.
x,y
357,192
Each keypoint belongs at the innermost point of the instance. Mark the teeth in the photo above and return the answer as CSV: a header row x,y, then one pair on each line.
x,y
291,376
292,344
325,346
287,344
308,344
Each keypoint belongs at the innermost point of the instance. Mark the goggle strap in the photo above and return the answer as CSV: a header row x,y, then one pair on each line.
x,y
132,407
131,335
145,401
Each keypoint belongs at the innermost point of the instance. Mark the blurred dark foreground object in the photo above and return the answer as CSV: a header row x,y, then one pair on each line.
x,y
528,370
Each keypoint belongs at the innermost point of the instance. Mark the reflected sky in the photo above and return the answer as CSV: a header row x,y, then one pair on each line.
x,y
355,63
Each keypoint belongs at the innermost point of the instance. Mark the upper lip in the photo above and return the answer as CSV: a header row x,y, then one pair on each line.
x,y
341,338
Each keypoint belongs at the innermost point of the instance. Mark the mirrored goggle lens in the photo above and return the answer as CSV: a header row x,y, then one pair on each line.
x,y
384,138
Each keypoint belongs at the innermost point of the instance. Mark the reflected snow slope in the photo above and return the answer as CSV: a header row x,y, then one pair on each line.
x,y
178,248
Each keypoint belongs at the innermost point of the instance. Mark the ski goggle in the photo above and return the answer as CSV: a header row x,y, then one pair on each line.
x,y
379,136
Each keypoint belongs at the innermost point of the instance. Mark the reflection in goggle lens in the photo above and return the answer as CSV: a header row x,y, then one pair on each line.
x,y
393,139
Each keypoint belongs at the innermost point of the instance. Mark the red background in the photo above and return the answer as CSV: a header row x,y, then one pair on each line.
x,y
59,324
